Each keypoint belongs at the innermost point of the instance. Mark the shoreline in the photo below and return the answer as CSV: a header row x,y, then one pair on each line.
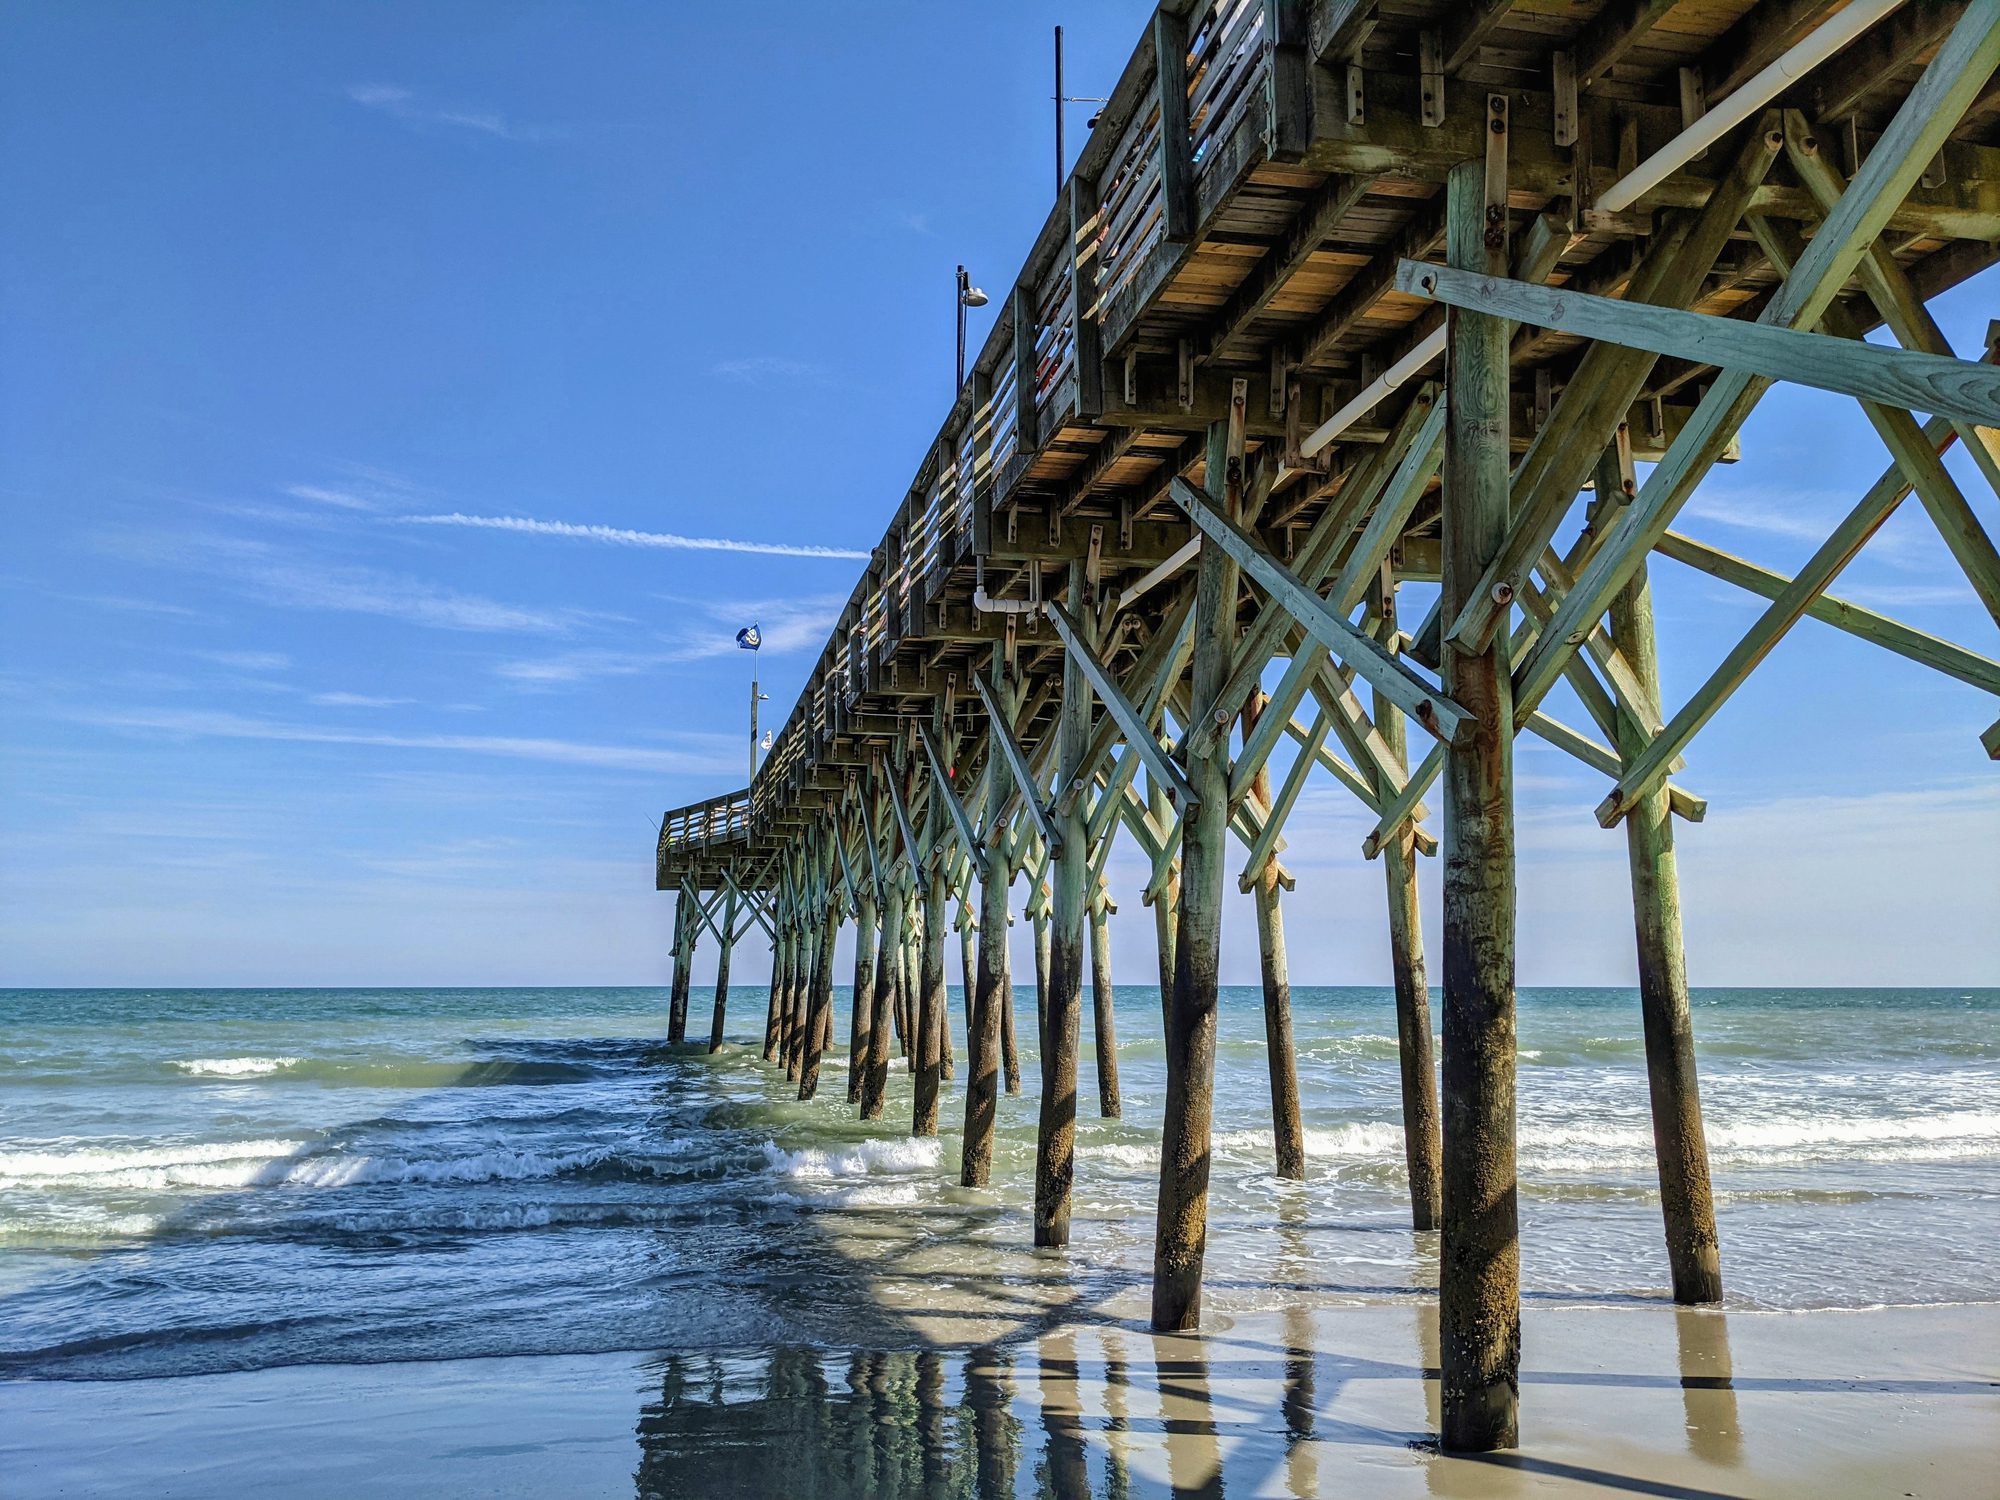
x,y
1615,1400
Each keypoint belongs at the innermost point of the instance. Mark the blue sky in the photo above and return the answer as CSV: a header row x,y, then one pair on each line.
x,y
290,292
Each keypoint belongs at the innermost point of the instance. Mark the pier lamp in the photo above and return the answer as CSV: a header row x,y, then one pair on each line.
x,y
968,296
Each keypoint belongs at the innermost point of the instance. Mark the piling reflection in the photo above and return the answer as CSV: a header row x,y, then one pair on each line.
x,y
1708,1385
1298,1403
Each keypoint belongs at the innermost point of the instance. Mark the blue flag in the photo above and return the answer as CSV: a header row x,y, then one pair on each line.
x,y
749,637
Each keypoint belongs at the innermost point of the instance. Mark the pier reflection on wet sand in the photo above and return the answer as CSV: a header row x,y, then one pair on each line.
x,y
1267,1408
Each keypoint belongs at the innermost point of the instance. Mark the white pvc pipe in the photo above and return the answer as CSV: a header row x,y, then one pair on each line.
x,y
1760,89
1429,347
985,603
1164,571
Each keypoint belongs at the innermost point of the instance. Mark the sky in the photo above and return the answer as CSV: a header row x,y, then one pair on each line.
x,y
403,405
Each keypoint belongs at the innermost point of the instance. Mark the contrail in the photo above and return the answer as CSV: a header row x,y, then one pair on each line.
x,y
619,536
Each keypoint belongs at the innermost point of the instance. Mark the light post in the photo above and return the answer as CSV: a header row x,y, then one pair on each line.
x,y
968,296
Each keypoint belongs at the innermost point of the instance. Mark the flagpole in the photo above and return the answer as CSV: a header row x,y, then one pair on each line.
x,y
753,712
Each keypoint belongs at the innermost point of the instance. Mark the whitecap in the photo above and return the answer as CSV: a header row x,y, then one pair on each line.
x,y
109,1164
237,1067
903,1154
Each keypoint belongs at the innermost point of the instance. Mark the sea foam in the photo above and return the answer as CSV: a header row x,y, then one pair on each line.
x,y
237,1067
864,1158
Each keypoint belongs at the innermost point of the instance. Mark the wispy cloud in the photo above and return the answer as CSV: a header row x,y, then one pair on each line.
x,y
277,576
1802,517
570,667
407,105
1898,596
343,499
916,223
773,369
250,661
618,536
201,725
354,700
361,489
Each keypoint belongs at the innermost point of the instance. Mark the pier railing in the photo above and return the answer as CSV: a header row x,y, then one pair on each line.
x,y
1187,119
703,825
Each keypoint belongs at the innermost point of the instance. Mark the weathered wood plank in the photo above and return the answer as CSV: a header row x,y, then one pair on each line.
x,y
1907,378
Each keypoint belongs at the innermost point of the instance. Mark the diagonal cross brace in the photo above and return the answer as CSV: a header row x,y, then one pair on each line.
x,y
1872,372
941,787
1017,763
1397,682
1137,734
1925,121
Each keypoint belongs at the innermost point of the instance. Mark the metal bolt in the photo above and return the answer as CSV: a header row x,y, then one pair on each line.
x,y
1503,592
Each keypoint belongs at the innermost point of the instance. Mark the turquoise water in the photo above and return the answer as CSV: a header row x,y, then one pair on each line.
x,y
210,1180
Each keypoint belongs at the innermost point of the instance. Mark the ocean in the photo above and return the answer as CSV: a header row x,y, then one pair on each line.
x,y
206,1181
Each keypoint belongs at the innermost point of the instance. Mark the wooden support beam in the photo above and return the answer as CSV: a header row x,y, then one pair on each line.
x,y
1288,1141
1414,1048
683,950
1338,28
861,1028
1103,1019
819,1009
984,1032
1138,733
1361,492
1181,1229
1473,21
1479,1289
1055,1141
1288,91
1843,614
941,789
728,944
1170,60
1016,760
1619,28
1606,382
888,982
1872,372
1927,117
1434,710
1680,1147
930,1010
1647,764
1085,320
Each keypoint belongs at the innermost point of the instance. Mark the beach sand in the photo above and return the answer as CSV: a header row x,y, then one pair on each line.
x,y
1643,1400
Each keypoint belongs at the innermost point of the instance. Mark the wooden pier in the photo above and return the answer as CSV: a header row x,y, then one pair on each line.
x,y
1341,296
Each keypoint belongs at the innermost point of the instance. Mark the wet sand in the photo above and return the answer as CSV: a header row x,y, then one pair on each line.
x,y
1305,1401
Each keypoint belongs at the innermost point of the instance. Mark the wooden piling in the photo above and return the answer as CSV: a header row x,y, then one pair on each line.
x,y
887,976
860,1038
722,972
1479,1292
1288,1137
1040,919
819,1008
772,992
677,1001
801,997
1180,1236
930,998
1055,1141
1104,1024
985,1034
1414,1046
1166,903
1680,1146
